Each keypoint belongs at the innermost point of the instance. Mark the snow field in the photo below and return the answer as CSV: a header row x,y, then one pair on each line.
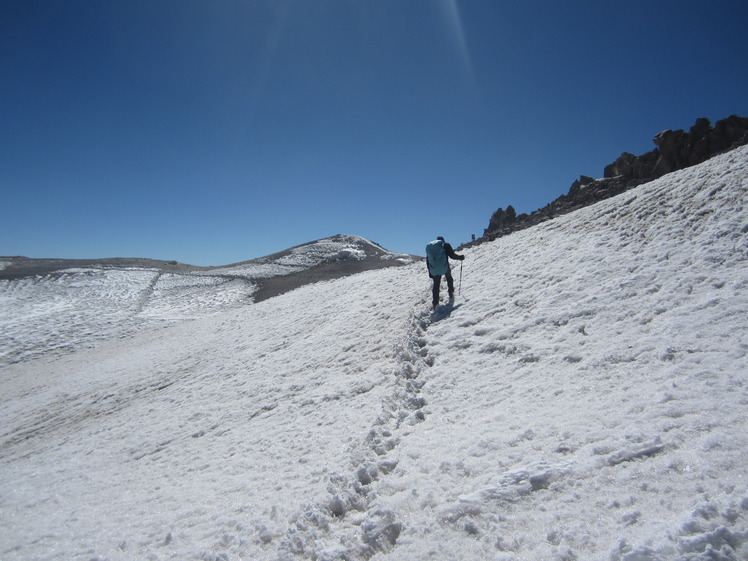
x,y
207,437
585,398
80,307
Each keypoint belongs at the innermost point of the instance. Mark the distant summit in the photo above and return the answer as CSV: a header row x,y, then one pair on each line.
x,y
326,259
675,150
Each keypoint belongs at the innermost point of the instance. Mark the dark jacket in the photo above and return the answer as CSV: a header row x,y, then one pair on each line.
x,y
451,252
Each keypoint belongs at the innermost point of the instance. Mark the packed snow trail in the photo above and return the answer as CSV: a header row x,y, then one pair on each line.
x,y
586,399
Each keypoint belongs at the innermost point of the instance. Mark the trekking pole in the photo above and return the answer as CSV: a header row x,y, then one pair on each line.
x,y
459,289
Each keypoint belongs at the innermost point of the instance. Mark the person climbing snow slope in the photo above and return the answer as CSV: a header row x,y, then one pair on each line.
x,y
438,254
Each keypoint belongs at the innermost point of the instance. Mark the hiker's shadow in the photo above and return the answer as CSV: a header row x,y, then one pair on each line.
x,y
443,311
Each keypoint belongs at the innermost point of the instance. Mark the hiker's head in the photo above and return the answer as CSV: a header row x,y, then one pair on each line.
x,y
440,238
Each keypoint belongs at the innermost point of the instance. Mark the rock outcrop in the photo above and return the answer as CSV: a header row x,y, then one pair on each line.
x,y
679,149
674,150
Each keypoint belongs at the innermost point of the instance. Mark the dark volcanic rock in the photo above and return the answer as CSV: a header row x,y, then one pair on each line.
x,y
502,219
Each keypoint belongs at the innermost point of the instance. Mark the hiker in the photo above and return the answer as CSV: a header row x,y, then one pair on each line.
x,y
437,254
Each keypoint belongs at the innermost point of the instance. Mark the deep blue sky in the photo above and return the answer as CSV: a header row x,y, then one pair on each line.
x,y
216,131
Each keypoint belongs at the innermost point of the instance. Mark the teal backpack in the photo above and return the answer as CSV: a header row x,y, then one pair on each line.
x,y
436,258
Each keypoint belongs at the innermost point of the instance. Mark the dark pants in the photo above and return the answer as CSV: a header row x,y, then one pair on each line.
x,y
437,283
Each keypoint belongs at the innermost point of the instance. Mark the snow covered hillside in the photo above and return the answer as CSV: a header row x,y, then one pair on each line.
x,y
49,305
584,398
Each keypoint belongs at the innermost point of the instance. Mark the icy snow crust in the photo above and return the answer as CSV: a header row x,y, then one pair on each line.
x,y
80,307
584,398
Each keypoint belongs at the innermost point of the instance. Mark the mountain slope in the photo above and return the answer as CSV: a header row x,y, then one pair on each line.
x,y
57,304
589,401
585,398
335,249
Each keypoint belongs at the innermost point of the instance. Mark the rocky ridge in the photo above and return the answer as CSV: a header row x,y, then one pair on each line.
x,y
674,150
